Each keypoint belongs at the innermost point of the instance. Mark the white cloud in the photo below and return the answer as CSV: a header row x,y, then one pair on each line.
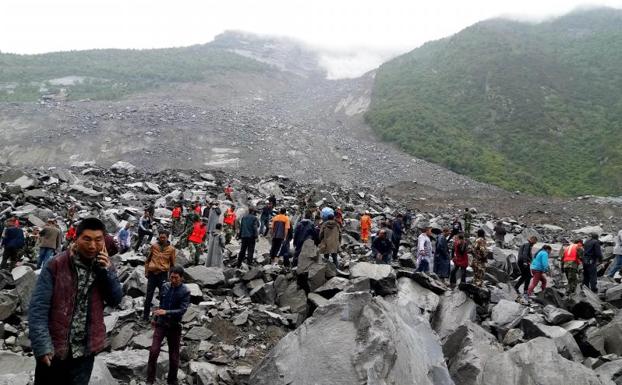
x,y
354,34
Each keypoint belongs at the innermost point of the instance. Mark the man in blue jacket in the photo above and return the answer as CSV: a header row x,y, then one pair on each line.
x,y
305,229
592,256
249,232
66,315
174,301
13,240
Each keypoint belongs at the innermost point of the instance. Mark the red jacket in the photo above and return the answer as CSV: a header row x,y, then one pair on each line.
x,y
460,259
571,254
176,213
198,232
229,218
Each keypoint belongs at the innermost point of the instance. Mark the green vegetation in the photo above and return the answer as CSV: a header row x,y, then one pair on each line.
x,y
530,107
113,73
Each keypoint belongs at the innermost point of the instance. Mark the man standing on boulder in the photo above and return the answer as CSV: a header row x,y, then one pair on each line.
x,y
571,261
424,249
49,242
365,226
592,256
196,239
524,264
441,256
468,219
280,228
480,258
330,239
249,232
617,252
66,315
305,229
500,233
144,229
12,240
159,262
174,301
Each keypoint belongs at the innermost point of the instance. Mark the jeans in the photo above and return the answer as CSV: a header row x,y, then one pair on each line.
x,y
153,280
386,258
617,265
525,277
334,256
424,266
45,253
173,338
589,276
264,226
72,371
454,271
538,276
247,249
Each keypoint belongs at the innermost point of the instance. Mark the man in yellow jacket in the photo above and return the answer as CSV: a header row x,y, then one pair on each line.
x,y
159,262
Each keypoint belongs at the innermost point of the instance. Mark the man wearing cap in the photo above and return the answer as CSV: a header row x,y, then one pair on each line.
x,y
49,242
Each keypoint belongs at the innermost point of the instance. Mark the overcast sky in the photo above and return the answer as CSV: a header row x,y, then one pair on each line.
x,y
354,35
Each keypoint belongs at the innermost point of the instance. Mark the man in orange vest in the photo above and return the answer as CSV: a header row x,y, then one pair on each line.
x,y
176,219
571,262
365,226
196,239
229,220
279,230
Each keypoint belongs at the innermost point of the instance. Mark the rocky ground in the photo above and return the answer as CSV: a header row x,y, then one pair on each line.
x,y
349,324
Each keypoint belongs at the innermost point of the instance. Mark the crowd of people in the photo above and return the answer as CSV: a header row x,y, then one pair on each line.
x,y
78,279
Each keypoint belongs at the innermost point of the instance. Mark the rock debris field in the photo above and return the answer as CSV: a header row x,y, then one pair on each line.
x,y
356,323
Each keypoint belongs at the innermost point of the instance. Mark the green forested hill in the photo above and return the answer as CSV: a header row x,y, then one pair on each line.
x,y
110,73
530,107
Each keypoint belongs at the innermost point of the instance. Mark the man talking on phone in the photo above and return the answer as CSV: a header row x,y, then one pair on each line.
x,y
66,316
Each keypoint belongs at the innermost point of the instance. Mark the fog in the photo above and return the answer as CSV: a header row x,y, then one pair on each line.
x,y
352,36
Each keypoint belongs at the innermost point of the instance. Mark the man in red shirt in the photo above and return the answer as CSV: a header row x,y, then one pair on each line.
x,y
230,223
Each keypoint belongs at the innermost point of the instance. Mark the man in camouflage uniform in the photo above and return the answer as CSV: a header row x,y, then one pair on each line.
x,y
191,218
571,261
468,218
480,256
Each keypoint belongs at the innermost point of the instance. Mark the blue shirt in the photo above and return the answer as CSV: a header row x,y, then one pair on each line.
x,y
541,261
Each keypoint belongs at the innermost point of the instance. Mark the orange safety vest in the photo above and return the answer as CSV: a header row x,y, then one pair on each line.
x,y
197,209
228,190
365,222
177,213
229,218
570,254
198,232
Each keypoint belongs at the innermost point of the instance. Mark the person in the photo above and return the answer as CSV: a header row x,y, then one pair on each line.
x,y
264,220
408,219
365,226
441,255
66,314
31,240
213,218
249,232
228,192
230,220
592,255
461,260
382,248
272,200
424,249
49,242
617,252
280,228
330,239
305,229
571,260
144,229
539,266
125,237
500,233
197,207
176,219
339,216
159,261
397,235
468,219
456,228
174,301
191,219
215,247
70,236
480,257
12,240
196,239
524,264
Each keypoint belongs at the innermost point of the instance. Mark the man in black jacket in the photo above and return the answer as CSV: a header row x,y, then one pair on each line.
x,y
249,232
524,264
174,301
592,255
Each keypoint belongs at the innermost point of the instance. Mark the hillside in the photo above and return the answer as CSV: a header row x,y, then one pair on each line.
x,y
529,107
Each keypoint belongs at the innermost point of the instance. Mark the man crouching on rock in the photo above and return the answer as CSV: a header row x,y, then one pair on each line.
x,y
174,301
66,316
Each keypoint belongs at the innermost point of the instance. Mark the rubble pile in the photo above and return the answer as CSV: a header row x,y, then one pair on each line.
x,y
358,322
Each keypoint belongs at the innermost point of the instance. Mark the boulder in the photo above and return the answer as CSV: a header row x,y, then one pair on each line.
x,y
585,304
382,277
614,296
205,276
333,286
612,336
411,295
126,365
122,338
406,260
264,294
480,295
199,333
566,344
507,314
467,350
8,305
136,284
587,230
591,342
316,275
610,371
296,299
13,363
25,280
455,309
101,375
430,283
355,339
556,316
535,362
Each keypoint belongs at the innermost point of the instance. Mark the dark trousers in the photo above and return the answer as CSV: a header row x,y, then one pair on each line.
x,y
276,246
589,276
72,371
173,338
454,271
334,256
45,253
9,258
141,236
525,277
424,266
247,249
153,280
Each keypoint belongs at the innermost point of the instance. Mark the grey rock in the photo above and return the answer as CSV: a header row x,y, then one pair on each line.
x,y
430,283
205,276
252,274
136,284
455,309
508,314
611,371
317,300
382,277
566,345
316,275
8,305
411,295
369,340
556,316
585,304
126,365
264,294
333,286
612,335
614,296
13,363
143,340
101,375
513,337
199,333
25,280
122,338
195,292
89,192
406,260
